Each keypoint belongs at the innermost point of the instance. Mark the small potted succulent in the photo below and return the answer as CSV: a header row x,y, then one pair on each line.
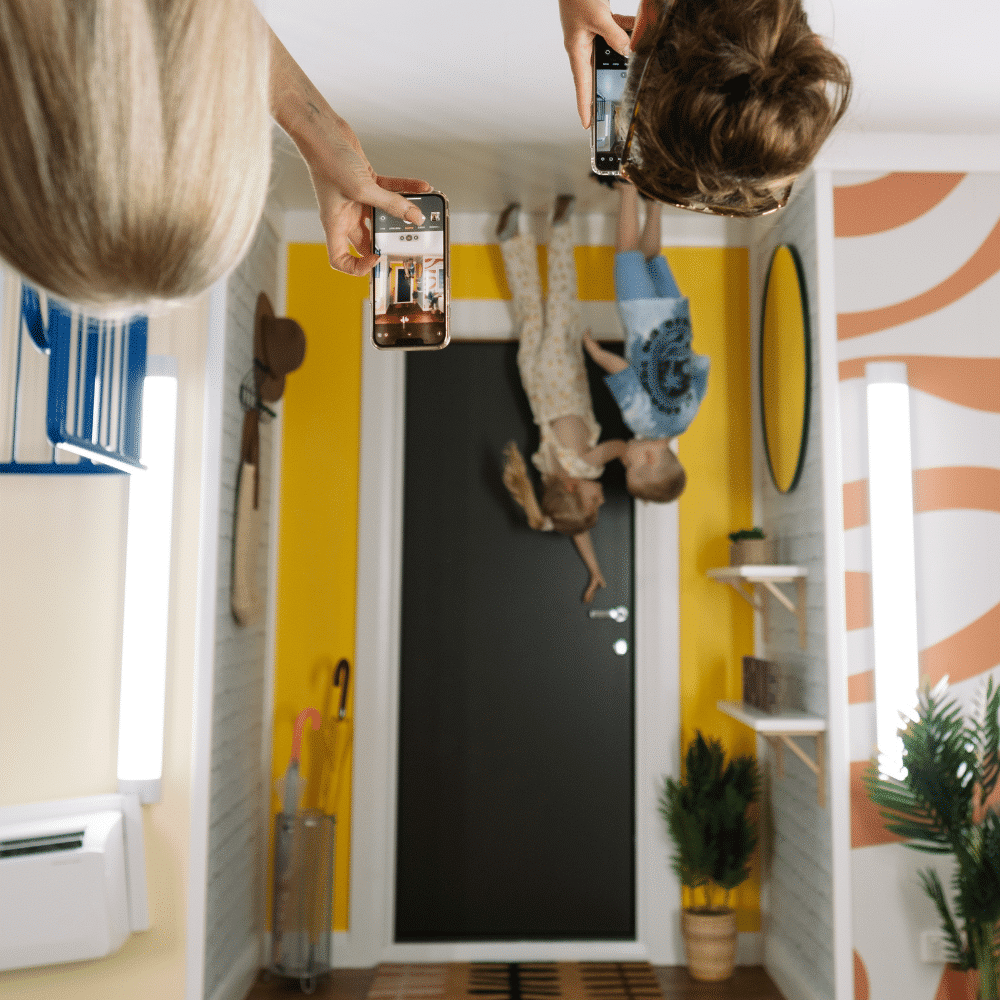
x,y
707,816
750,547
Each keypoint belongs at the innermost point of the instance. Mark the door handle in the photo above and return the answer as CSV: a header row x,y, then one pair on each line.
x,y
618,614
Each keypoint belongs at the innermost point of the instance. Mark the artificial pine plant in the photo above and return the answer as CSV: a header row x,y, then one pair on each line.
x,y
940,807
746,533
706,815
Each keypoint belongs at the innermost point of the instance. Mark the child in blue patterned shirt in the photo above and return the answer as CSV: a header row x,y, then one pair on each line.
x,y
660,382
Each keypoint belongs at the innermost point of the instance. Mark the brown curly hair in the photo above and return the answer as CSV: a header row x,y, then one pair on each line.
x,y
738,95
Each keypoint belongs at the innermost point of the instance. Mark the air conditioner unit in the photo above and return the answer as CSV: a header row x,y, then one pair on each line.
x,y
72,879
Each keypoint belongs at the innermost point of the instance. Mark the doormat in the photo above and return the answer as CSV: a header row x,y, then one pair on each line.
x,y
516,981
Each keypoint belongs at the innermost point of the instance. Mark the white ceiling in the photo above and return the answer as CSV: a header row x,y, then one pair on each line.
x,y
477,97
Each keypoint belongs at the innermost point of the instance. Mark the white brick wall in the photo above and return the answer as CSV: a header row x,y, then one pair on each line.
x,y
799,887
237,838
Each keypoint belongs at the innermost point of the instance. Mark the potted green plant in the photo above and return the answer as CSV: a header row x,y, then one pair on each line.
x,y
951,767
707,816
749,547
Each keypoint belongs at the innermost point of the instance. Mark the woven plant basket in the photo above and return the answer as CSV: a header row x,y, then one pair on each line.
x,y
709,943
751,552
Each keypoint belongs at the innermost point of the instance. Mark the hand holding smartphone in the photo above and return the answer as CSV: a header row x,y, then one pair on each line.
x,y
410,285
610,72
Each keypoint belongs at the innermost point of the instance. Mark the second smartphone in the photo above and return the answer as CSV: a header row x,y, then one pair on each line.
x,y
410,293
610,71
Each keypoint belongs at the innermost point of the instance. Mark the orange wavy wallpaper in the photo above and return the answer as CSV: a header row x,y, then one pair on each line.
x,y
918,281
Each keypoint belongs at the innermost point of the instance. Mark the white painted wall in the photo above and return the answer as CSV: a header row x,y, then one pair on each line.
x,y
62,547
61,575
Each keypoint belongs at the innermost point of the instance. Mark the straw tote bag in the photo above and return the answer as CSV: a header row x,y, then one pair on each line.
x,y
246,601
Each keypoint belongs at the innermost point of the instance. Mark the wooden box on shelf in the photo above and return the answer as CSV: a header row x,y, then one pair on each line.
x,y
762,684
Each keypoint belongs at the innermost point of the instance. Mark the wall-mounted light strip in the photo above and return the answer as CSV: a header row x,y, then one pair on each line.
x,y
894,590
147,589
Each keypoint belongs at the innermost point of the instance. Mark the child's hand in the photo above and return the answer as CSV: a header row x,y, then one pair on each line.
x,y
611,363
596,581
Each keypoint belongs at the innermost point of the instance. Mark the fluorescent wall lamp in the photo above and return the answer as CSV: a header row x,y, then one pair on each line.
x,y
894,589
147,589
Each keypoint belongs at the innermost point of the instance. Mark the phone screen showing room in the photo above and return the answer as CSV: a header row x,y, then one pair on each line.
x,y
610,72
410,279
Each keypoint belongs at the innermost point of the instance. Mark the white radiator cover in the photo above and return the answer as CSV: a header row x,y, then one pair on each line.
x,y
72,880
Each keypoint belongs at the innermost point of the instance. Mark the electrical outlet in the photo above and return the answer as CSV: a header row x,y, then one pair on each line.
x,y
933,947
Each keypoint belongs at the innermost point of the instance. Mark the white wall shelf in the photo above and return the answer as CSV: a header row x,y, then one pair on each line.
x,y
779,729
747,581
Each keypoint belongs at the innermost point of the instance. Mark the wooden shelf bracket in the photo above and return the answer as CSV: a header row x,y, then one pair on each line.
x,y
747,581
780,731
816,763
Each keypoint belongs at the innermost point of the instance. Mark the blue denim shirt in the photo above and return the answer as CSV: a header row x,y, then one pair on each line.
x,y
661,390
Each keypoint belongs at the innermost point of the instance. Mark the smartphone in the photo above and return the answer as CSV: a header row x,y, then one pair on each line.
x,y
410,285
610,71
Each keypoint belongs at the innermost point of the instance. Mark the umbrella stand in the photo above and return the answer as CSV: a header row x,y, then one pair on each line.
x,y
303,879
301,918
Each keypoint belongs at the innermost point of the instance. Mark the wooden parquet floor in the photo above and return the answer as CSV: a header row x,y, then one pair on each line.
x,y
747,983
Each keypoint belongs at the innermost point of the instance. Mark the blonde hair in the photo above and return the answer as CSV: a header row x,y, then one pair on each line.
x,y
137,144
660,483
561,509
569,513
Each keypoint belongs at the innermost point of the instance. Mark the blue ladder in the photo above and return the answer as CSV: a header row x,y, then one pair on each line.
x,y
96,370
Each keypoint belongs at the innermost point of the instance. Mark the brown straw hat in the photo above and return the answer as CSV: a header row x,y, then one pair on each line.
x,y
279,345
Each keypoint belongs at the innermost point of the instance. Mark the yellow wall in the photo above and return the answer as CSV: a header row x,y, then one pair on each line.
x,y
317,542
318,532
477,272
716,625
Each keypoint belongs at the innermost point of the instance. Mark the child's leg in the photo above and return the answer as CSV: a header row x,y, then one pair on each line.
x,y
662,278
561,310
633,279
627,234
634,276
650,242
664,286
520,259
564,390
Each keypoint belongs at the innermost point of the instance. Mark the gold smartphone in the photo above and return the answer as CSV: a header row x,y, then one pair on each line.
x,y
410,285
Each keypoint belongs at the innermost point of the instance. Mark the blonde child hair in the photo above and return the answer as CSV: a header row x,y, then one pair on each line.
x,y
137,144
564,509
663,482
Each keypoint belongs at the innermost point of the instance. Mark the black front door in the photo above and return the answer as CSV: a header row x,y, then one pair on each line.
x,y
515,798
